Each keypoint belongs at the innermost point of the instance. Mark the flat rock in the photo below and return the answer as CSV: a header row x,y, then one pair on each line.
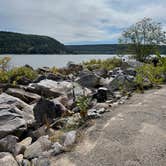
x,y
6,159
23,95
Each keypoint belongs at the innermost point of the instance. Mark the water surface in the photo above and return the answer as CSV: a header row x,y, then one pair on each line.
x,y
51,60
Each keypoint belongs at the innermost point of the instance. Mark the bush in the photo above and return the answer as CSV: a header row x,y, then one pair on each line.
x,y
148,74
107,64
13,75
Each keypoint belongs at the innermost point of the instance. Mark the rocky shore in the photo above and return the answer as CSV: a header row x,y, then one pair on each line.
x,y
43,118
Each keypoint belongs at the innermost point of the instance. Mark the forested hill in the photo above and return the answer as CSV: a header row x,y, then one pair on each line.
x,y
104,49
16,43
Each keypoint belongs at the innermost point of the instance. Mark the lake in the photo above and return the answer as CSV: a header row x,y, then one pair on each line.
x,y
51,60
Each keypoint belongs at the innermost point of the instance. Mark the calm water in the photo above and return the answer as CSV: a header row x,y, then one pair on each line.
x,y
51,60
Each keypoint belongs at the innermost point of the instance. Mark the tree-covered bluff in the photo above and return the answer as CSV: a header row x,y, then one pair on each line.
x,y
17,43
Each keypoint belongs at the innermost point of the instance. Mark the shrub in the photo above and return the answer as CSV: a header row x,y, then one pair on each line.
x,y
107,64
83,103
4,63
149,73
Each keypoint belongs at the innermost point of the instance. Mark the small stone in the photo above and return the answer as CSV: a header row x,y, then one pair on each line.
x,y
70,138
57,149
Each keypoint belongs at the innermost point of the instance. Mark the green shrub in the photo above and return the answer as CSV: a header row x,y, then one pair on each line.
x,y
149,73
83,103
107,64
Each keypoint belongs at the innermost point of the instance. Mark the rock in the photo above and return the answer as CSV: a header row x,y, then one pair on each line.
x,y
28,66
92,113
116,72
26,163
101,72
8,144
101,95
23,95
50,88
11,120
39,78
45,111
122,82
42,161
88,79
57,148
42,70
36,149
26,142
23,81
70,138
55,77
20,107
130,71
6,159
19,159
74,67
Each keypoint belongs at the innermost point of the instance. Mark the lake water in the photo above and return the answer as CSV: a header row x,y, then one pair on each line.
x,y
51,60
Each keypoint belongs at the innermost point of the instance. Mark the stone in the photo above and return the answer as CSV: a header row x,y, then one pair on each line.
x,y
6,159
26,163
57,148
19,159
38,147
23,95
42,161
122,82
23,81
39,78
101,95
50,88
11,120
26,142
88,79
18,105
8,144
101,72
130,71
43,70
92,113
70,138
45,111
55,77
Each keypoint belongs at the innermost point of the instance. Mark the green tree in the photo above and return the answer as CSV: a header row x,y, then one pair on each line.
x,y
143,38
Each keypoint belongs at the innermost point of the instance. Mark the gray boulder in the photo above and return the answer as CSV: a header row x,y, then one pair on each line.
x,y
88,79
14,103
45,111
37,148
50,88
8,144
23,95
6,159
42,161
11,120
70,138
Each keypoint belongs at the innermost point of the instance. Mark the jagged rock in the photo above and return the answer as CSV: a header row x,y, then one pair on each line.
x,y
26,142
50,88
55,77
20,107
130,71
42,161
121,82
8,144
37,148
23,95
70,138
23,81
11,120
39,78
101,95
88,79
101,72
45,111
57,148
43,70
19,159
6,159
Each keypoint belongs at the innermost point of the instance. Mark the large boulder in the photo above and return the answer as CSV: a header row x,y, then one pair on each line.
x,y
24,81
6,159
23,95
8,101
37,148
88,79
45,111
50,88
8,144
11,120
121,82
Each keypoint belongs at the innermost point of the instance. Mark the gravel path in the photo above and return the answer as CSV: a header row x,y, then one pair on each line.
x,y
133,134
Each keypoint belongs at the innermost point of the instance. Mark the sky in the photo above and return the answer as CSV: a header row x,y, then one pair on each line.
x,y
78,21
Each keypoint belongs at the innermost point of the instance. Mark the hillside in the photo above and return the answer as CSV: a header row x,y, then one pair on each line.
x,y
16,43
104,49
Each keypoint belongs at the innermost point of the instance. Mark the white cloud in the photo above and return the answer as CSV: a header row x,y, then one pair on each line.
x,y
77,20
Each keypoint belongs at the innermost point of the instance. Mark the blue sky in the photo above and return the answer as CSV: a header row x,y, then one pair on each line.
x,y
78,21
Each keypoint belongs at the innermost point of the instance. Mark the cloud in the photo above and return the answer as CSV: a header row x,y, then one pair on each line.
x,y
72,21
